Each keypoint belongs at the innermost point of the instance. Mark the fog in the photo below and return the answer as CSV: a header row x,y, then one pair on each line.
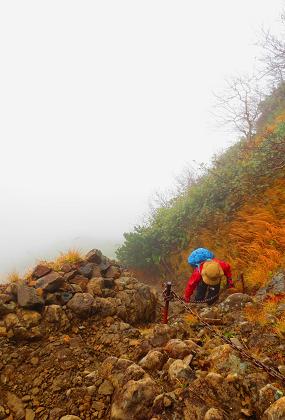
x,y
104,103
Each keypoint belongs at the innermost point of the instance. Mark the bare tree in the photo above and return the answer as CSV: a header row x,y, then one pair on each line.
x,y
274,54
238,106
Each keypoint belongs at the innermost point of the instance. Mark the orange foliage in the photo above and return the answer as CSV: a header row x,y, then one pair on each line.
x,y
253,243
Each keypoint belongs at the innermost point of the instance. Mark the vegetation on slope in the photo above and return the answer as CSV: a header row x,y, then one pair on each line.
x,y
236,207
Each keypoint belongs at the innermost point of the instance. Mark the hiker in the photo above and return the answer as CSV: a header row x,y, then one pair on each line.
x,y
207,276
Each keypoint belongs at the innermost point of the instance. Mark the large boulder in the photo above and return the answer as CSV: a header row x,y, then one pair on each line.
x,y
81,304
234,302
154,360
94,256
138,301
223,359
40,270
134,393
28,297
162,333
52,282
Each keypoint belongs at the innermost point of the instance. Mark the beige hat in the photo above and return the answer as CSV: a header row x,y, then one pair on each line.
x,y
212,273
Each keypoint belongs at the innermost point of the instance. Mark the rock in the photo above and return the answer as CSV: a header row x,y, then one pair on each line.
x,y
162,334
96,271
70,275
40,270
5,298
11,321
2,413
113,272
51,282
177,349
30,414
134,400
15,405
87,269
70,417
7,308
66,296
224,360
29,319
67,268
281,369
28,297
267,396
95,286
56,413
81,304
3,331
106,388
54,314
274,287
103,307
236,301
214,414
276,411
94,256
154,360
179,371
81,281
52,299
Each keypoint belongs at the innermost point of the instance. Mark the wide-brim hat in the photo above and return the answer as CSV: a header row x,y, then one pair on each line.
x,y
212,273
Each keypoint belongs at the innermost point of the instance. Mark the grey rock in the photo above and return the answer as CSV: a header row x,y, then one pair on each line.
x,y
87,269
51,282
236,301
178,370
81,304
275,286
40,270
94,256
28,297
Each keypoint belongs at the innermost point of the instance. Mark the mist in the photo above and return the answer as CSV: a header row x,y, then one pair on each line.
x,y
104,103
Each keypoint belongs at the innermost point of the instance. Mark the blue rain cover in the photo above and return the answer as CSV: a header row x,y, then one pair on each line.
x,y
199,255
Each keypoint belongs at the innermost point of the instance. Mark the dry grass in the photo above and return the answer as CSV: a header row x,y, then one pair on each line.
x,y
14,277
280,326
72,256
256,315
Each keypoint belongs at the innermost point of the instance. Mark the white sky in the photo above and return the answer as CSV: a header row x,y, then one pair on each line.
x,y
102,103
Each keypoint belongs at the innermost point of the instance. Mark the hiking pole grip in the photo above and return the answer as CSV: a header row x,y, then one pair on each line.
x,y
167,297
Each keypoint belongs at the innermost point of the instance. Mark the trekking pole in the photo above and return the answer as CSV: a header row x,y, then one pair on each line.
x,y
242,282
167,297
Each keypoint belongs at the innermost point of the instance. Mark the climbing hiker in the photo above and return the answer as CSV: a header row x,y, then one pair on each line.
x,y
206,277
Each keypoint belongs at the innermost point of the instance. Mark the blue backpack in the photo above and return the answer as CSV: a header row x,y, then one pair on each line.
x,y
199,255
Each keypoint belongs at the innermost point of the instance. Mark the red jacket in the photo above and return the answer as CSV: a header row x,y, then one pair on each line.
x,y
196,277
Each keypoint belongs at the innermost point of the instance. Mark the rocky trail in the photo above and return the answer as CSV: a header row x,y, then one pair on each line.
x,y
85,341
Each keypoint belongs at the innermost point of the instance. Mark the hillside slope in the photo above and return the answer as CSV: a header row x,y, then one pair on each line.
x,y
236,208
84,340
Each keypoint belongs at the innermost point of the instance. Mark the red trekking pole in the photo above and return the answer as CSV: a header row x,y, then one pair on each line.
x,y
167,297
